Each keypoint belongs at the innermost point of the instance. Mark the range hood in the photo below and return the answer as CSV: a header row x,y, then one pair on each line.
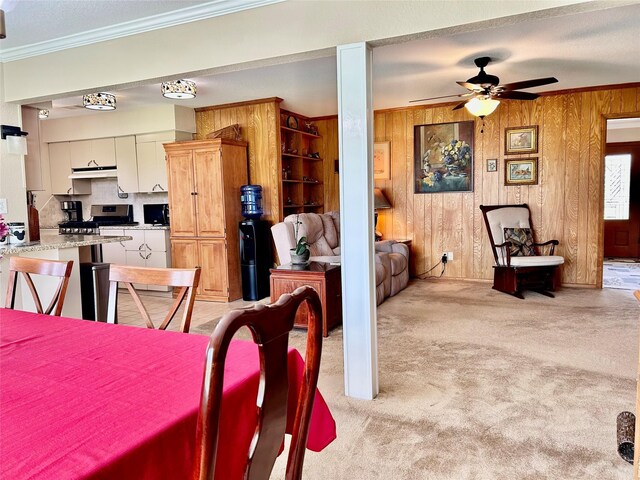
x,y
93,172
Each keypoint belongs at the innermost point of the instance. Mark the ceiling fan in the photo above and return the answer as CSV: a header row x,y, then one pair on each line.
x,y
485,91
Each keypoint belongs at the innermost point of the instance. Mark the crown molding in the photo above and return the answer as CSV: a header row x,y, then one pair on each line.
x,y
215,8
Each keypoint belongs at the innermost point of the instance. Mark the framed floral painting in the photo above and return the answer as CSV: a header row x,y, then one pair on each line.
x,y
443,157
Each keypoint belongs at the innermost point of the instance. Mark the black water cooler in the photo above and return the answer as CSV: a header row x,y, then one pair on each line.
x,y
255,245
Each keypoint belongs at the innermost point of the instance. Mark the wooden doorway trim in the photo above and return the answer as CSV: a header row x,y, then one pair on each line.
x,y
603,150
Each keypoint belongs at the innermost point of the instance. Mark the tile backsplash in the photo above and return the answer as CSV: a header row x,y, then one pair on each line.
x,y
103,191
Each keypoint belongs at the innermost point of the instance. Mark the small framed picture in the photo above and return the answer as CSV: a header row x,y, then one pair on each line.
x,y
382,160
521,171
521,140
492,164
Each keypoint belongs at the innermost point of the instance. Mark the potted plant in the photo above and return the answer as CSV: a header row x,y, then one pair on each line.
x,y
300,254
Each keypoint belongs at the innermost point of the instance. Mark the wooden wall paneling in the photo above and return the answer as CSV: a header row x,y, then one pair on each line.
x,y
571,187
387,185
583,188
599,104
408,172
492,186
398,175
328,148
418,237
437,226
536,117
553,168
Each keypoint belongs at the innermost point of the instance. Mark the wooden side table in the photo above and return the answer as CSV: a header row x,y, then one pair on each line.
x,y
324,278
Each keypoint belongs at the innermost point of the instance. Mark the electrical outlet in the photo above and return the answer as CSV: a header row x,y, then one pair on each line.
x,y
449,256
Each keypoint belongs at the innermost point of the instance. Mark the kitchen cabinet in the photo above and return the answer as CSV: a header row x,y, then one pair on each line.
x,y
152,169
127,164
60,166
205,177
98,152
148,248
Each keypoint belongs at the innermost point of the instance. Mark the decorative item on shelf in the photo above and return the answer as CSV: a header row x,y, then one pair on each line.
x,y
292,122
311,128
232,132
99,101
285,174
443,158
521,140
379,202
314,155
179,89
301,253
289,201
292,151
282,147
42,114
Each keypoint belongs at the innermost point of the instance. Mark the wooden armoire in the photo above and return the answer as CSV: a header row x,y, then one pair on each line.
x,y
204,179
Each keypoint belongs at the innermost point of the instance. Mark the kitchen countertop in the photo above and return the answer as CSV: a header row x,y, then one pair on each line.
x,y
144,226
54,242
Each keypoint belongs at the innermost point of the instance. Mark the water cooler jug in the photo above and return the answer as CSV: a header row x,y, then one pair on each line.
x,y
255,245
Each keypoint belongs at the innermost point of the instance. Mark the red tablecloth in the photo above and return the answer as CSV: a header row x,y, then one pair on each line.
x,y
81,400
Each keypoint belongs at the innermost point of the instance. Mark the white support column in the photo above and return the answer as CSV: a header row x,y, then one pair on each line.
x,y
355,134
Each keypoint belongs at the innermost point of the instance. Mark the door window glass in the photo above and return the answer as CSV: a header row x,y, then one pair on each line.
x,y
617,184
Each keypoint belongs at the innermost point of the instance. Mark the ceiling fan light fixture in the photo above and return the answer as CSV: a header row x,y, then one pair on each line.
x,y
99,101
481,107
179,89
44,113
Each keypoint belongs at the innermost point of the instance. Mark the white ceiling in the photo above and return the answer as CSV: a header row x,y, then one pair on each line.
x,y
584,49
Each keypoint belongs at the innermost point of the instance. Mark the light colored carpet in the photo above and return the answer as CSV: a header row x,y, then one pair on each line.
x,y
621,275
476,384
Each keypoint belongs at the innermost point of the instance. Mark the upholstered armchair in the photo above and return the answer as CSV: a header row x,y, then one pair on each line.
x,y
520,262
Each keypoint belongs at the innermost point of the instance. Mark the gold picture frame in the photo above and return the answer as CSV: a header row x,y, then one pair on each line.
x,y
521,140
382,161
521,171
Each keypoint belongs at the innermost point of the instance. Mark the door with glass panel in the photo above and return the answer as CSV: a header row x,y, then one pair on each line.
x,y
622,200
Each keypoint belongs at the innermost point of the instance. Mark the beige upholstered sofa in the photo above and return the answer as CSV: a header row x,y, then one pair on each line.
x,y
323,234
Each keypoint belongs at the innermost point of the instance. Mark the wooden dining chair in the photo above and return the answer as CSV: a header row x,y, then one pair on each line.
x,y
30,266
270,326
186,279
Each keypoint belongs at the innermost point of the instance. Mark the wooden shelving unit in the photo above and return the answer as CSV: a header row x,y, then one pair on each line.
x,y
301,173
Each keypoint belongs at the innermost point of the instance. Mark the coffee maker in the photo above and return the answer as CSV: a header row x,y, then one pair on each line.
x,y
73,210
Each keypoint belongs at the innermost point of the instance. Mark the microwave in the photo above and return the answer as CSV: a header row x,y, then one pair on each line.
x,y
156,213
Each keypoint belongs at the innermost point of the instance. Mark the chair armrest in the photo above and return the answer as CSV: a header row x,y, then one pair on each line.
x,y
553,244
391,246
508,245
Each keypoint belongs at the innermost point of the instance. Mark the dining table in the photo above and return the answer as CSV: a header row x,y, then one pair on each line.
x,y
90,400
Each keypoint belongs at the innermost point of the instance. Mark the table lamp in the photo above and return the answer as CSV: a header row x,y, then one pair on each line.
x,y
379,202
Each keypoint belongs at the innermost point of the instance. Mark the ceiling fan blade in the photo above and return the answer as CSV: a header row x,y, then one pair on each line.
x,y
536,82
460,105
444,96
517,95
470,86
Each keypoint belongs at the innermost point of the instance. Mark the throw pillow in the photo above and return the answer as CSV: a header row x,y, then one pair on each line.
x,y
521,241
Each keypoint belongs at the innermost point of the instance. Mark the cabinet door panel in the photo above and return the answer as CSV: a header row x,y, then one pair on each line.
x,y
60,165
127,164
80,154
160,171
146,155
181,198
184,253
137,240
210,198
114,253
156,240
103,152
213,260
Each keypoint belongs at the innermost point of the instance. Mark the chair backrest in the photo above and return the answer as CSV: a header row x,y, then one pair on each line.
x,y
186,278
29,266
270,326
499,217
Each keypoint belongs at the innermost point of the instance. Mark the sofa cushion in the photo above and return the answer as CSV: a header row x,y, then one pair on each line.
x,y
313,226
537,261
398,263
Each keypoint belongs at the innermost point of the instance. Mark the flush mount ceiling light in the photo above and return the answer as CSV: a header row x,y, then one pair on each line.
x,y
481,107
99,101
179,89
44,113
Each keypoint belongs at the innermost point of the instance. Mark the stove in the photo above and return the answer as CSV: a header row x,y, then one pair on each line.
x,y
101,216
